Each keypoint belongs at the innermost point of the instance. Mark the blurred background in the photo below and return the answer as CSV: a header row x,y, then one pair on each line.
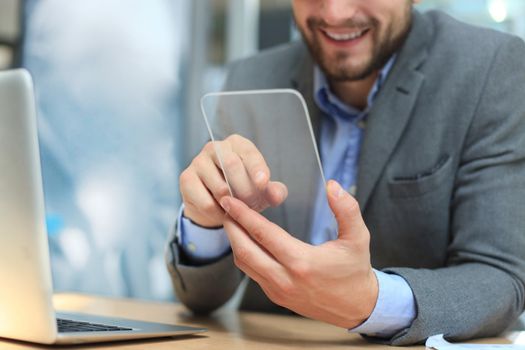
x,y
118,84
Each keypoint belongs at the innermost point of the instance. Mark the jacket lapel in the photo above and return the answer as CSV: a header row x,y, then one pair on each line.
x,y
392,110
303,81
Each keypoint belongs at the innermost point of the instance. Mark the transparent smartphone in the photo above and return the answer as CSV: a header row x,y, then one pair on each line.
x,y
278,124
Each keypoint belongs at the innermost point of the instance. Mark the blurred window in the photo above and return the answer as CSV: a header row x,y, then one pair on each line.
x,y
108,77
504,15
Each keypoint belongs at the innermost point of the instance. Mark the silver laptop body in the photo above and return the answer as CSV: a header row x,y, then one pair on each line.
x,y
26,306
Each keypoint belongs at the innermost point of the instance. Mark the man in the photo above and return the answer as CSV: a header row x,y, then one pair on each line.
x,y
433,241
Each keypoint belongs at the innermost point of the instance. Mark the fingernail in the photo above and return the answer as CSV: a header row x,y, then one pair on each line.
x,y
260,177
335,189
283,192
224,202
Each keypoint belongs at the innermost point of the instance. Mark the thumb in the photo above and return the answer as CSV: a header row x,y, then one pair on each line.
x,y
346,210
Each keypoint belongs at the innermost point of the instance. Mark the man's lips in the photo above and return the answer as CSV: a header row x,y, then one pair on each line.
x,y
344,36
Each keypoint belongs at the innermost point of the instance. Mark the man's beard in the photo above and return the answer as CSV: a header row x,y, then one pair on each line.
x,y
383,48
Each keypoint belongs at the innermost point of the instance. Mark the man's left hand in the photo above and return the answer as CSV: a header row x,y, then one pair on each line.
x,y
333,282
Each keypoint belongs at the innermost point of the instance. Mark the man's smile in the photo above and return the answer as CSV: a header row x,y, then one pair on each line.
x,y
344,37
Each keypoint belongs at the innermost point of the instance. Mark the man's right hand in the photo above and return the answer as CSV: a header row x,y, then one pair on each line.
x,y
202,184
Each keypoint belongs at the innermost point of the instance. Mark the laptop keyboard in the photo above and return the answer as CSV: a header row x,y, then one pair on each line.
x,y
68,326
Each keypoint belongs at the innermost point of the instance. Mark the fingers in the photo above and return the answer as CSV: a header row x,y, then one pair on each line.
x,y
253,160
276,193
243,187
247,173
236,150
211,177
282,246
199,204
253,259
346,210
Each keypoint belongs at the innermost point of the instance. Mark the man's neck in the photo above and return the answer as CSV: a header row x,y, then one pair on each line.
x,y
354,93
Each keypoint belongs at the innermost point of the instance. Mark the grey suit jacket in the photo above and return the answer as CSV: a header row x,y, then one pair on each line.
x,y
441,180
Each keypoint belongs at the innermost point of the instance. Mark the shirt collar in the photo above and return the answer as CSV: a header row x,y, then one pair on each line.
x,y
329,103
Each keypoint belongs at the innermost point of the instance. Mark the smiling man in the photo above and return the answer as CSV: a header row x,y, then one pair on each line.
x,y
421,118
352,43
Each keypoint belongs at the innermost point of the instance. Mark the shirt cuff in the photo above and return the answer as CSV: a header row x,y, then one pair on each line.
x,y
201,244
395,309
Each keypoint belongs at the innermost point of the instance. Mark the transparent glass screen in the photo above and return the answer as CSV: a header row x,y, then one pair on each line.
x,y
278,126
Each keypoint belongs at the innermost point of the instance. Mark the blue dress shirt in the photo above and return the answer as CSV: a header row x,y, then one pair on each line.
x,y
341,135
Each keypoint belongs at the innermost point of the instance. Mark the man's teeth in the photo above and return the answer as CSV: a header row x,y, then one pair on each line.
x,y
345,37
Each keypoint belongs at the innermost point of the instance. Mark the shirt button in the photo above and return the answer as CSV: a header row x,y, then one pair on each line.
x,y
352,190
191,247
361,124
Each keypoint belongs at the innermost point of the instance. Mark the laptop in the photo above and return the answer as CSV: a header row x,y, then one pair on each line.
x,y
26,306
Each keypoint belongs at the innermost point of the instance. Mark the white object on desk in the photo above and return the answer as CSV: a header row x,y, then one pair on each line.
x,y
437,342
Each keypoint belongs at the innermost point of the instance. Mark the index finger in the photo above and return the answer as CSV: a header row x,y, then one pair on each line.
x,y
252,158
275,192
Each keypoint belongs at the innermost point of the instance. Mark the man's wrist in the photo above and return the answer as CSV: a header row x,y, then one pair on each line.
x,y
202,226
394,311
367,306
200,245
199,220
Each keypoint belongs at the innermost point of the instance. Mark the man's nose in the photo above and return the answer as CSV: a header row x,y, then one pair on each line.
x,y
335,12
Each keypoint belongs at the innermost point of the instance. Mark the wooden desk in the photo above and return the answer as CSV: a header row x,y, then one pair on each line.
x,y
227,330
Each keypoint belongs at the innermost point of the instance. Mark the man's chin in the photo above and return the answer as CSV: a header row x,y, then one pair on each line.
x,y
345,69
348,74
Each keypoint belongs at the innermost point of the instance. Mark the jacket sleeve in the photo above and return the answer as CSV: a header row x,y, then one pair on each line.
x,y
201,288
481,289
